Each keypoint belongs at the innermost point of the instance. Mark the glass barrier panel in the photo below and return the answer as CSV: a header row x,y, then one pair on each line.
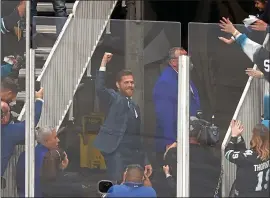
x,y
105,120
226,93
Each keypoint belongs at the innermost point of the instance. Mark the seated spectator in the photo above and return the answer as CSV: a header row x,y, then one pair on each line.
x,y
8,94
204,166
13,134
50,162
252,164
135,184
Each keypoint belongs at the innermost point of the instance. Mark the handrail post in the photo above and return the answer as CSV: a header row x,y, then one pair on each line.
x,y
183,128
30,111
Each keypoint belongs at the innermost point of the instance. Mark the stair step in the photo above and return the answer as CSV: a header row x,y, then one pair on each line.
x,y
46,29
21,96
22,72
42,52
48,7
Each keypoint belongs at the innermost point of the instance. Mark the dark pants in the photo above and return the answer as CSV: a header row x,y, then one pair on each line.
x,y
60,11
118,161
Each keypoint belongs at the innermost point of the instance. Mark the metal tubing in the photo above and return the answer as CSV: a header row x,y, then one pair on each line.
x,y
30,111
183,128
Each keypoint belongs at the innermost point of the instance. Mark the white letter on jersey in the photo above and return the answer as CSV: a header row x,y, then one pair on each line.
x,y
267,65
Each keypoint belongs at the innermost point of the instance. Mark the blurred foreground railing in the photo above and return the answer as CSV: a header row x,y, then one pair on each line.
x,y
70,57
249,112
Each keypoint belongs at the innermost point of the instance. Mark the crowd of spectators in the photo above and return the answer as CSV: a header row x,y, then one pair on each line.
x,y
127,161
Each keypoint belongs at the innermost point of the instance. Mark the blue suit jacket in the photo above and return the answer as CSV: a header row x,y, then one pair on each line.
x,y
165,97
40,152
13,134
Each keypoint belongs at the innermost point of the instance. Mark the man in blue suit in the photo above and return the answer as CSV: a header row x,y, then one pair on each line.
x,y
13,134
119,137
165,97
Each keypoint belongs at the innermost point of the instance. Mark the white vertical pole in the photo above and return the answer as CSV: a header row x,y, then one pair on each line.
x,y
183,128
30,111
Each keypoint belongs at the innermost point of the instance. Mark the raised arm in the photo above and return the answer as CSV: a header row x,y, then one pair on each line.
x,y
17,130
257,53
104,94
235,150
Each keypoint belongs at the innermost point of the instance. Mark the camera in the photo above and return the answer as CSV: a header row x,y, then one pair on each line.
x,y
104,186
205,132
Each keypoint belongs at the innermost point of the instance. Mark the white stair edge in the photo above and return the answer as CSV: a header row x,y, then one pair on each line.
x,y
46,29
21,96
43,50
48,7
22,72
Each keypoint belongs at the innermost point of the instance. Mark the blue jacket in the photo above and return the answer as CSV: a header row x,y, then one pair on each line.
x,y
165,97
13,134
40,152
130,189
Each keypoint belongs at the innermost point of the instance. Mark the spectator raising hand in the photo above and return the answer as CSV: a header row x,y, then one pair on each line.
x,y
254,73
227,26
237,128
259,25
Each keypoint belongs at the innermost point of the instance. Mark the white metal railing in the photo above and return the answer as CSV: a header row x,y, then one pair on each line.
x,y
70,56
10,174
64,69
248,111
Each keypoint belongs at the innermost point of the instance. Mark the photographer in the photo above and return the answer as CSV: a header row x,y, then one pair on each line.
x,y
204,166
135,184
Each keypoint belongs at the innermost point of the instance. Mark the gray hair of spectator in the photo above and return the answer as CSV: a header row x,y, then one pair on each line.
x,y
171,54
42,133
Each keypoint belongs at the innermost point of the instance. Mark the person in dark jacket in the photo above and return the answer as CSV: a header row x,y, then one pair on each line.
x,y
119,138
252,164
11,28
204,166
12,134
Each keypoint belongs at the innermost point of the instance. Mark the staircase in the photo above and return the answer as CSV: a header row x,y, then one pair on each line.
x,y
60,63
